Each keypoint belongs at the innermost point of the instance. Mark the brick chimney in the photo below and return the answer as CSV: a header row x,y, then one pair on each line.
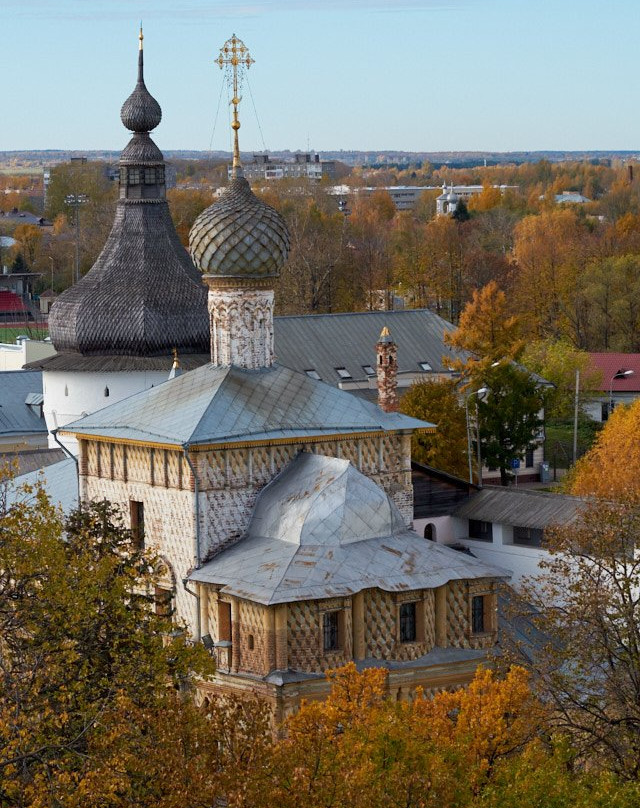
x,y
387,371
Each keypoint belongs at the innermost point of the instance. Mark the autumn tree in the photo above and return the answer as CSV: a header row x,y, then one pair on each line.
x,y
82,654
438,402
186,204
486,328
609,468
586,609
557,361
29,242
479,745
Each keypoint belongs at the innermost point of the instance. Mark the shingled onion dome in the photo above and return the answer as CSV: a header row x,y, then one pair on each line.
x,y
143,297
239,236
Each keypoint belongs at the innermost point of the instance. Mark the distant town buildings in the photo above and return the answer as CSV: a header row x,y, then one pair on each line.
x,y
304,165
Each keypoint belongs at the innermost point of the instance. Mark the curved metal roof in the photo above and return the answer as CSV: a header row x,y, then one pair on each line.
x,y
324,500
272,569
239,236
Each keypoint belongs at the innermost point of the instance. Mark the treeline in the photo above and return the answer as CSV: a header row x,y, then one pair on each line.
x,y
569,271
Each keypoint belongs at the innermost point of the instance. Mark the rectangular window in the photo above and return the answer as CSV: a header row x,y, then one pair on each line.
x,y
527,536
604,411
133,176
528,459
369,370
408,625
313,374
425,366
149,176
331,634
481,531
136,511
343,373
477,614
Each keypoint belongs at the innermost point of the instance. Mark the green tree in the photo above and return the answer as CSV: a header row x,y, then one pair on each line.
x,y
509,415
19,264
438,402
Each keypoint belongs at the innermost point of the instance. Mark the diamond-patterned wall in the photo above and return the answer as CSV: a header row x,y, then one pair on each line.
x,y
252,621
379,624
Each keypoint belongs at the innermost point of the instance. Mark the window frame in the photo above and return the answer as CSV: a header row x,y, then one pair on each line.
x,y
478,621
484,530
332,631
408,622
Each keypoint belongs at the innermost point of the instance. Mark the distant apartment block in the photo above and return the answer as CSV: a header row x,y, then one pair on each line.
x,y
304,165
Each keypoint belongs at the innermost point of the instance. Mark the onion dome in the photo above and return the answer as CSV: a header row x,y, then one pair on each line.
x,y
143,297
239,236
141,112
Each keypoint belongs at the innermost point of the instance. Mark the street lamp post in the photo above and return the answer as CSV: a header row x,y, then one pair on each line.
x,y
75,201
619,374
479,392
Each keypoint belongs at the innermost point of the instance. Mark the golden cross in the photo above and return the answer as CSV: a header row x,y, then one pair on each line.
x,y
235,56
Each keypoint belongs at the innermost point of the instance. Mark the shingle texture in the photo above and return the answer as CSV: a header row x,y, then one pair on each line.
x,y
213,405
239,236
141,112
322,529
143,296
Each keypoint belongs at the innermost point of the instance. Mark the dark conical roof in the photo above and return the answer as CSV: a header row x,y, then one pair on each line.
x,y
239,236
143,297
141,112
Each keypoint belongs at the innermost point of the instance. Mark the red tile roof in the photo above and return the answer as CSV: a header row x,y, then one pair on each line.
x,y
610,363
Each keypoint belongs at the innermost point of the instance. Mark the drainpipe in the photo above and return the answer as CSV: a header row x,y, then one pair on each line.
x,y
54,435
195,595
196,548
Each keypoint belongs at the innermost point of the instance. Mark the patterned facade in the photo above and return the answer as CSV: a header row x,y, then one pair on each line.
x,y
253,641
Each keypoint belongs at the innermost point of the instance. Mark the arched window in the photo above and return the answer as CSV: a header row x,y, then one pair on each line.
x,y
430,531
106,392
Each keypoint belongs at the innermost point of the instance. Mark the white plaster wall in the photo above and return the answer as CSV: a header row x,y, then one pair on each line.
x,y
69,396
15,356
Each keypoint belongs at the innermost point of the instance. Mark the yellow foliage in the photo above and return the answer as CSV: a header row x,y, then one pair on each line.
x,y
610,468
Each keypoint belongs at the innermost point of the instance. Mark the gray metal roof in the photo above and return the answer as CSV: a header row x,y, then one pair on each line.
x,y
521,508
32,459
323,342
16,416
60,481
230,404
322,529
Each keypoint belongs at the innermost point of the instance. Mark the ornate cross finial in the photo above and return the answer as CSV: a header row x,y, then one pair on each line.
x,y
235,57
140,36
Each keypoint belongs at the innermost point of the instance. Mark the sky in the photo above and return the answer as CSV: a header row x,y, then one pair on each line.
x,y
375,75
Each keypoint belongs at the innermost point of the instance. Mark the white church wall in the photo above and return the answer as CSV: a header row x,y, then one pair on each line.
x,y
69,396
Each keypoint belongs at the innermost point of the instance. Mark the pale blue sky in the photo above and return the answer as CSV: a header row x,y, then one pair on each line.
x,y
415,75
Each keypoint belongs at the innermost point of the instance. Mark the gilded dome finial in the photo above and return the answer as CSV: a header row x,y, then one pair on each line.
x,y
140,35
235,56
